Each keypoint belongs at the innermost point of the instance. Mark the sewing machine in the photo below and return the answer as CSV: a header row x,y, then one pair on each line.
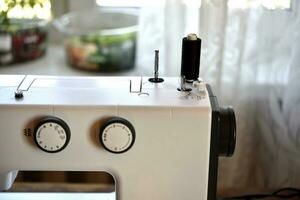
x,y
159,138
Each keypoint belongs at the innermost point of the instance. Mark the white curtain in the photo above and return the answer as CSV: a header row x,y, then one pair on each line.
x,y
251,57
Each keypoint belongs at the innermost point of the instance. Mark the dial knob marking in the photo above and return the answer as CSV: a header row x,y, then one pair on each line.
x,y
117,135
52,134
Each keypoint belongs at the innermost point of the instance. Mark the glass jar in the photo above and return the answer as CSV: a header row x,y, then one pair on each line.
x,y
22,40
100,39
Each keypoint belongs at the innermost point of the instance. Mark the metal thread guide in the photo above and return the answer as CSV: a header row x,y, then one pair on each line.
x,y
19,92
140,92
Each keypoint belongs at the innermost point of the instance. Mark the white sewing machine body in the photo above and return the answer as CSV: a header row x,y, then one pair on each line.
x,y
169,158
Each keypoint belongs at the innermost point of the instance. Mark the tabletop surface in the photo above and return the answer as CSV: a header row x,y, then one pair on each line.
x,y
56,196
54,63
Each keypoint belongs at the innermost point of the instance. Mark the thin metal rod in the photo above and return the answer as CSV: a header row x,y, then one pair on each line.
x,y
156,64
141,85
21,83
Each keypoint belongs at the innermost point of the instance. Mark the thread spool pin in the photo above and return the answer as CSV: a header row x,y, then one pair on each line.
x,y
156,79
182,86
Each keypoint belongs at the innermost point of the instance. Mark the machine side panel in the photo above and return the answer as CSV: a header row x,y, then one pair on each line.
x,y
213,160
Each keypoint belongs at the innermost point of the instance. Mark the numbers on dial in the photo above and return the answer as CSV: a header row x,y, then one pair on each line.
x,y
52,135
117,135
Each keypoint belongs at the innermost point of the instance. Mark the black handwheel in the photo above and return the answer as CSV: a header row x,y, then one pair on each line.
x,y
227,132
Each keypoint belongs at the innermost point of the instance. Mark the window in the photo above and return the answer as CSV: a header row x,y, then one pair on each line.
x,y
140,3
239,4
129,3
268,4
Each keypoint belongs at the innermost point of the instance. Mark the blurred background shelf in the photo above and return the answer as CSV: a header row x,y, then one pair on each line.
x,y
54,63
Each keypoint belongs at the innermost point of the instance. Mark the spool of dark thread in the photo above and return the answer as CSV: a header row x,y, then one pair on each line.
x,y
190,59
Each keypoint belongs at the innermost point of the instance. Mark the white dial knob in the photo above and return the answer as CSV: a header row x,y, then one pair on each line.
x,y
117,135
52,134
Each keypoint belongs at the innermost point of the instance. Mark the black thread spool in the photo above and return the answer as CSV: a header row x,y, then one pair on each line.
x,y
190,60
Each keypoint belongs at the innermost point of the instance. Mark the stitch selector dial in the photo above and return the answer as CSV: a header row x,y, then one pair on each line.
x,y
52,134
117,135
